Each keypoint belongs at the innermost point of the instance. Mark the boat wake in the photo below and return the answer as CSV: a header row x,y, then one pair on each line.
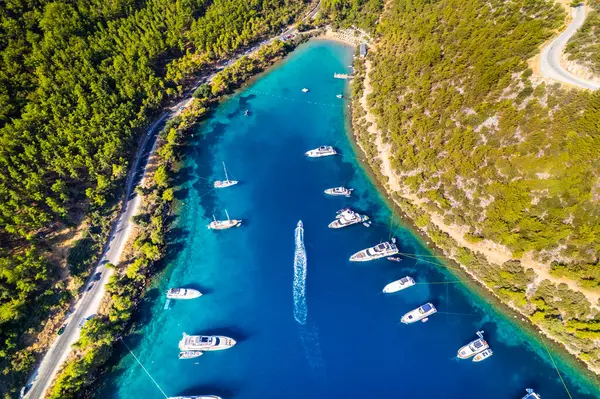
x,y
300,310
309,337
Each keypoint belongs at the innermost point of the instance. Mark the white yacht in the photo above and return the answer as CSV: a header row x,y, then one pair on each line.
x,y
399,285
190,354
183,293
531,394
224,224
340,96
347,217
473,347
226,182
378,251
205,342
420,313
305,90
481,356
339,191
322,151
196,397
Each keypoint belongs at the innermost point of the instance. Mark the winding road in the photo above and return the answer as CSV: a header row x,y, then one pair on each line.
x,y
550,66
88,305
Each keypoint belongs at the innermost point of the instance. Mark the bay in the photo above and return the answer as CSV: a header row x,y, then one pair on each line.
x,y
351,344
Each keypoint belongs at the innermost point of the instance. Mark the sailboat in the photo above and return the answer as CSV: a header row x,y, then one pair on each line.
x,y
226,182
224,224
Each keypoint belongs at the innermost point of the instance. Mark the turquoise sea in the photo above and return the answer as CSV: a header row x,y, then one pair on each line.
x,y
351,344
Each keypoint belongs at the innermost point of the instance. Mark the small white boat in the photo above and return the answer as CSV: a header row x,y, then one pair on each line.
x,y
339,96
190,354
347,217
305,90
473,347
224,224
367,224
196,397
226,182
420,313
183,293
481,356
378,251
394,258
322,151
339,191
399,285
205,342
531,394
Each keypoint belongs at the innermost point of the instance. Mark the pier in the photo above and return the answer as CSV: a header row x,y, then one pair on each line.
x,y
342,76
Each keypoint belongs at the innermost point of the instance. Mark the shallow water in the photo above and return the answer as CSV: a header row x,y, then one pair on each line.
x,y
319,329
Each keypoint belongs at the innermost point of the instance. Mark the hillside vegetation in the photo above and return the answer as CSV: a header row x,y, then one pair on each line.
x,y
584,46
78,79
504,158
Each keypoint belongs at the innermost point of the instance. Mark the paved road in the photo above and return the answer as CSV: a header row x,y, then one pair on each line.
x,y
89,303
550,60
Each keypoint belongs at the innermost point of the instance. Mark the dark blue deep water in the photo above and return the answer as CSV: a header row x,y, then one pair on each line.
x,y
352,345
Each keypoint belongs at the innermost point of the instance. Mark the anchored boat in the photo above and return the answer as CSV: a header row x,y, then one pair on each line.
x,y
190,354
481,356
378,251
531,394
224,224
420,313
473,347
305,90
226,182
399,285
183,293
205,342
347,217
339,191
339,96
322,151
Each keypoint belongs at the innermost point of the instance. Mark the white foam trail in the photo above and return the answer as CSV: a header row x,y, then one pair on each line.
x,y
300,310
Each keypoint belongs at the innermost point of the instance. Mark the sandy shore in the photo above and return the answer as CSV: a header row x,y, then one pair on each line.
x,y
494,253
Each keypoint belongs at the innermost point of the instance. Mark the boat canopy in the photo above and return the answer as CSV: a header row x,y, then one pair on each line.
x,y
427,307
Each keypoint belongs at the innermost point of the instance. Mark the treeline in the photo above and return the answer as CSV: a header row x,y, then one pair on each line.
x,y
486,145
127,284
584,46
78,81
345,13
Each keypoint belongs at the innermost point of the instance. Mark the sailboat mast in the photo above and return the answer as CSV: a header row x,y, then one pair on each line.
x,y
225,169
227,213
214,218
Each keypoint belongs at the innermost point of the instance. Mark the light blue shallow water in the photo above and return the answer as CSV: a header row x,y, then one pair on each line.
x,y
351,345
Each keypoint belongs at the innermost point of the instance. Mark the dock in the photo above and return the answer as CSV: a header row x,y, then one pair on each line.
x,y
342,76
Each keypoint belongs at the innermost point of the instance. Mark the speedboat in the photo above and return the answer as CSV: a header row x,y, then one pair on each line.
x,y
420,313
205,342
339,96
190,354
322,151
226,182
339,191
473,347
394,258
399,285
347,217
196,397
378,251
481,356
183,293
305,90
531,394
224,224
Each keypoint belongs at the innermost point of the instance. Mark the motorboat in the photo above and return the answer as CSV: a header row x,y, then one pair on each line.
x,y
399,285
183,293
205,342
190,354
225,183
339,191
420,313
247,113
394,258
473,347
322,151
378,251
347,217
339,96
305,90
531,394
481,356
196,397
224,224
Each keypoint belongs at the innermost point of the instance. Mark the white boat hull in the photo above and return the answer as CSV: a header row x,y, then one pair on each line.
x,y
321,152
483,355
226,183
224,224
187,294
190,343
398,285
419,314
471,349
190,354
